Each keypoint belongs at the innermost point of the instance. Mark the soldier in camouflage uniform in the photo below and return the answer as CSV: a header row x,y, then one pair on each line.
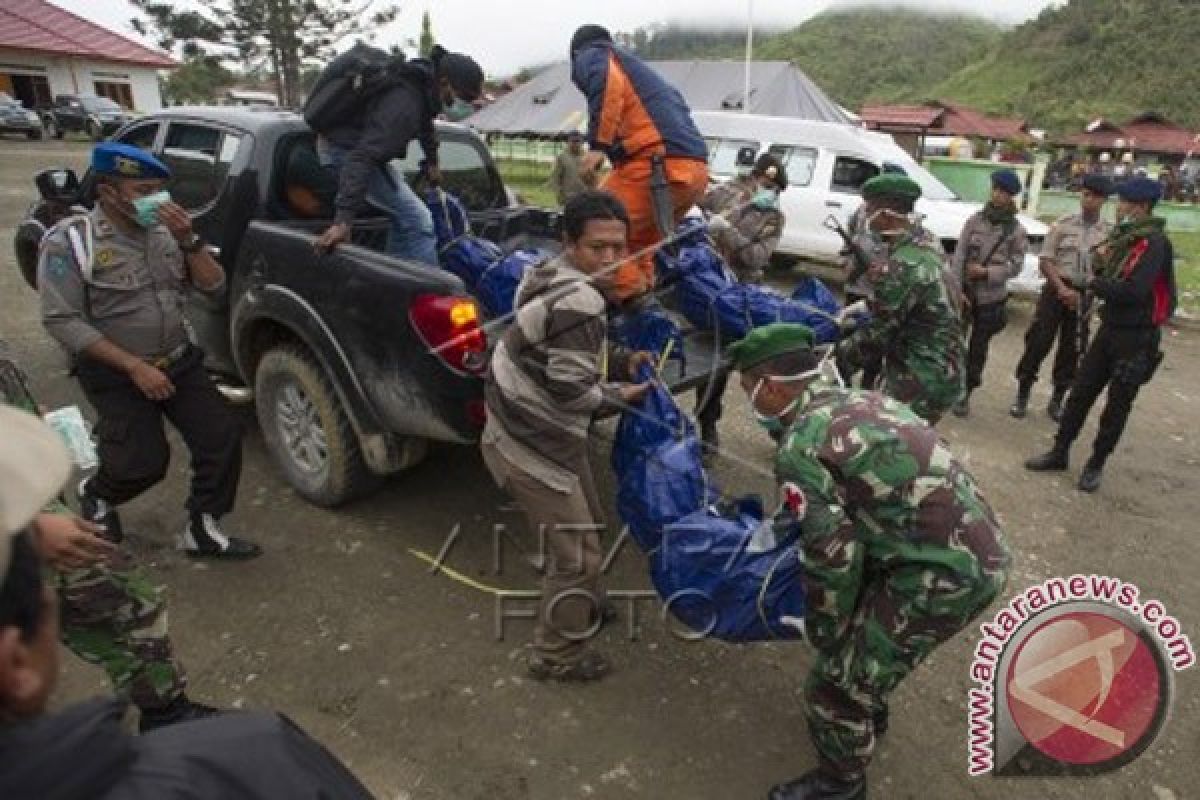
x,y
901,549
112,615
915,323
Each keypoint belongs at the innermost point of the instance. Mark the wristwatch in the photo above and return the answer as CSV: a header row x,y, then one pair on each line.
x,y
193,244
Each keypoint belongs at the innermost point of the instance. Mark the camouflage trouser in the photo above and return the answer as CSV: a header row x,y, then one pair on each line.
x,y
929,396
900,619
114,617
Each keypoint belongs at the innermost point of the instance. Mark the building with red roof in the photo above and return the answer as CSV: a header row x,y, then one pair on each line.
x,y
1146,134
910,125
47,51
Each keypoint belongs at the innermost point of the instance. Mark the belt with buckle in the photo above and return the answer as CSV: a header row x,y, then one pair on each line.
x,y
162,362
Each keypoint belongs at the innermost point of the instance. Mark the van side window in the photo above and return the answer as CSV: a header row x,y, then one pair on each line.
x,y
849,174
722,155
800,162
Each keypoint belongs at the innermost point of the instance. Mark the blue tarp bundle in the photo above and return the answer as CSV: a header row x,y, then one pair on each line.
x,y
650,330
469,257
497,287
450,219
730,576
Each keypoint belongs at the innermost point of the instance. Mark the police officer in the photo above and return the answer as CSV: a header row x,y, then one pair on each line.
x,y
746,232
991,250
901,549
1135,277
113,284
1065,263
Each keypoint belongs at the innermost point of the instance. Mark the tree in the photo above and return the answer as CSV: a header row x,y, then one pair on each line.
x,y
285,36
199,80
426,43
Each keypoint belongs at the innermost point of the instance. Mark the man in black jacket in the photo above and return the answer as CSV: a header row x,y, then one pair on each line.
x,y
1135,277
84,753
359,148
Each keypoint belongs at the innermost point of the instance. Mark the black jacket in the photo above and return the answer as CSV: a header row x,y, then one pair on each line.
x,y
1130,302
382,131
83,753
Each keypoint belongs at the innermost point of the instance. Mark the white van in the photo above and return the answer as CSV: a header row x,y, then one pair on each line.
x,y
827,164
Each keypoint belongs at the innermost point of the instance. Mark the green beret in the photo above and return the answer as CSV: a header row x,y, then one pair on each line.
x,y
889,184
769,341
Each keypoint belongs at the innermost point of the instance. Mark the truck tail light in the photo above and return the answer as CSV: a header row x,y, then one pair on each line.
x,y
449,327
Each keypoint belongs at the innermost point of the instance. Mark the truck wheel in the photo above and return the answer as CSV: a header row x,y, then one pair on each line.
x,y
306,430
35,135
52,128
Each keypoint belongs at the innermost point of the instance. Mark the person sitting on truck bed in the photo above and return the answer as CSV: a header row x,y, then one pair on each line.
x,y
360,148
309,188
635,118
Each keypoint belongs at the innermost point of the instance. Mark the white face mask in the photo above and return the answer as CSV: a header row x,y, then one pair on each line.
x,y
826,371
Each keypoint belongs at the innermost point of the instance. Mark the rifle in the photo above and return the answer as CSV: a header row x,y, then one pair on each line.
x,y
862,262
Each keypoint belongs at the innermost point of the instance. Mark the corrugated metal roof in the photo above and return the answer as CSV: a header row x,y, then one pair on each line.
x,y
41,27
550,105
900,116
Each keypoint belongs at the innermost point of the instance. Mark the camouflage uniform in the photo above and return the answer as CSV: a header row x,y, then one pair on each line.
x,y
901,551
916,327
112,615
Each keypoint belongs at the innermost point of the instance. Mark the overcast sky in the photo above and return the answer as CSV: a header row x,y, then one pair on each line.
x,y
505,35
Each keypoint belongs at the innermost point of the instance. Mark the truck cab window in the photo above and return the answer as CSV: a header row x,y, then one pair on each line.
x,y
800,162
465,172
142,136
849,174
199,157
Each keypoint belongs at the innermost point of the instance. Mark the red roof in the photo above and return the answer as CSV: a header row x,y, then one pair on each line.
x,y
900,117
963,121
1146,133
42,27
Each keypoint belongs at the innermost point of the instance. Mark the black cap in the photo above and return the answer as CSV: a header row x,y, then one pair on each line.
x,y
464,74
768,166
1095,182
585,35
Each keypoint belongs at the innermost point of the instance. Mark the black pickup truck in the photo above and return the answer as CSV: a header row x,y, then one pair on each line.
x,y
355,360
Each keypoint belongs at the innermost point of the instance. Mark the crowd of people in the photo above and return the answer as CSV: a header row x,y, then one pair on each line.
x,y
890,573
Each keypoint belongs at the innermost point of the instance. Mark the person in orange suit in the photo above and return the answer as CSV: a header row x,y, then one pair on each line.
x,y
634,116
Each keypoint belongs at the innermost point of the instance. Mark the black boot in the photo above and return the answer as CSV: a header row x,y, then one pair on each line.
x,y
879,720
1089,479
1054,460
710,442
203,538
1021,405
181,709
1054,407
99,511
818,785
963,407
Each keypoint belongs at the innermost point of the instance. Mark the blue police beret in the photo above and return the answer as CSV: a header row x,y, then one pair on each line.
x,y
1100,184
127,161
1140,190
1006,180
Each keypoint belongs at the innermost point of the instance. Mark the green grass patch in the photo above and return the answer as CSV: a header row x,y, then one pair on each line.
x,y
530,180
1187,269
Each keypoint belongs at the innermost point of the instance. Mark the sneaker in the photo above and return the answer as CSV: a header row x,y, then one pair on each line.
x,y
98,510
181,709
203,538
590,667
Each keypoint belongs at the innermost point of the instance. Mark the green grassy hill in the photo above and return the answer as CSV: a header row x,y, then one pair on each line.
x,y
1089,58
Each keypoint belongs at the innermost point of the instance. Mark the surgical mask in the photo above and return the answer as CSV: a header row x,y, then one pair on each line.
x,y
145,209
765,198
459,109
826,370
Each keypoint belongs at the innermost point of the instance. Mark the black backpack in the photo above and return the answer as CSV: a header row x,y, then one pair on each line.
x,y
344,87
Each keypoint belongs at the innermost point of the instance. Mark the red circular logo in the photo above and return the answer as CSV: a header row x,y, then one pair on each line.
x,y
1084,688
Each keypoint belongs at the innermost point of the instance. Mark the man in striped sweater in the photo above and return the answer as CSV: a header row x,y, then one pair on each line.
x,y
545,384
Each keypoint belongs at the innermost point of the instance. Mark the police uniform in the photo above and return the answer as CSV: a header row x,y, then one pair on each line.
x,y
1135,280
994,235
1069,246
99,280
901,552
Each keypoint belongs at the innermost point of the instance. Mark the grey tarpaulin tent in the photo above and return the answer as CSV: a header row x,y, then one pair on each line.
x,y
550,105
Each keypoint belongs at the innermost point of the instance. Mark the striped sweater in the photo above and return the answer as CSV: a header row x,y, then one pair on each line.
x,y
546,381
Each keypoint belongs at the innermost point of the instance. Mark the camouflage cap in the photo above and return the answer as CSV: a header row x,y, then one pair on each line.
x,y
764,343
891,184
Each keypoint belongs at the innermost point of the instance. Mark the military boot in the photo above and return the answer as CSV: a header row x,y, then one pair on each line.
x,y
1055,406
819,785
1093,471
96,509
181,709
710,443
963,407
1021,404
203,538
1054,460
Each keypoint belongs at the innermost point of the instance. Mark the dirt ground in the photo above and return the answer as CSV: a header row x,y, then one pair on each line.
x,y
400,671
